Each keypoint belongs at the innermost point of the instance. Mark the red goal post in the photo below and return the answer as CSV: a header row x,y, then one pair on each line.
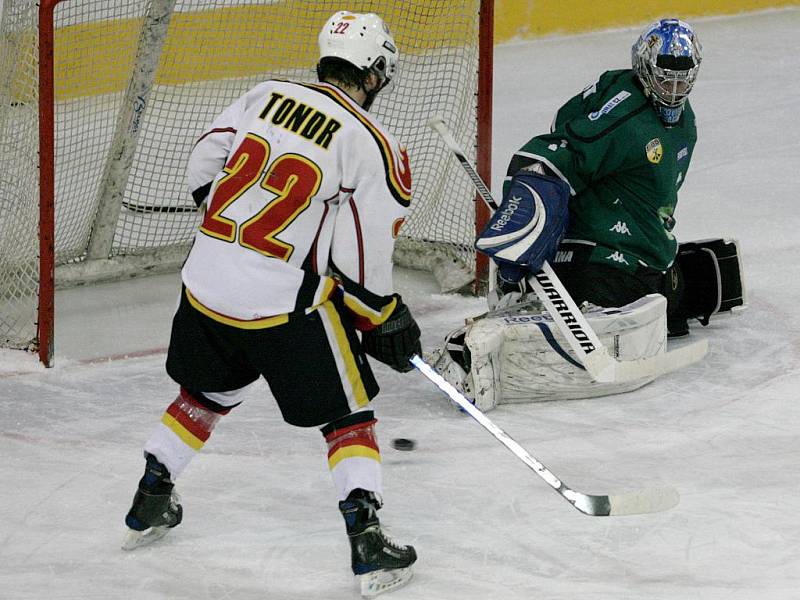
x,y
101,100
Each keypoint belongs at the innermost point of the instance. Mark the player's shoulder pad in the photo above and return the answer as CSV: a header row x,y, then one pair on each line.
x,y
613,101
392,154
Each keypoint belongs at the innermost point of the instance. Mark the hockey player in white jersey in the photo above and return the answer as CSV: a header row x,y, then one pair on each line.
x,y
304,193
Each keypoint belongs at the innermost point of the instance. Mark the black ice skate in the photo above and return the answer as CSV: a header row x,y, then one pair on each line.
x,y
155,508
378,561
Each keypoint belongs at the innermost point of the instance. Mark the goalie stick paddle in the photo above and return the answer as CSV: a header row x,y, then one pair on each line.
x,y
567,316
644,501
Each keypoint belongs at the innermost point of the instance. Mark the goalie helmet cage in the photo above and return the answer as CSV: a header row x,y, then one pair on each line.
x,y
101,101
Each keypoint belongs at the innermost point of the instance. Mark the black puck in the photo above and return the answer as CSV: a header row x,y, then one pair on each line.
x,y
403,444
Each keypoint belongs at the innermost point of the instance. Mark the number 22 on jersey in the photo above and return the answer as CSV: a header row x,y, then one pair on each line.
x,y
291,177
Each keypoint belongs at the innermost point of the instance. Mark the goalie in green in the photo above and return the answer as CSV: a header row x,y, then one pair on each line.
x,y
596,198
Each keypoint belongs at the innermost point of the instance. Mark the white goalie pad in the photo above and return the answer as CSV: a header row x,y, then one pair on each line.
x,y
517,354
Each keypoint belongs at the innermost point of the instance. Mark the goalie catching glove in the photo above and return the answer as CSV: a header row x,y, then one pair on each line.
x,y
396,340
526,229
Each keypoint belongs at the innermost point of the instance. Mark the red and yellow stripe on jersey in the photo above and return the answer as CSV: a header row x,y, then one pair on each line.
x,y
262,323
337,338
398,169
354,441
364,316
324,291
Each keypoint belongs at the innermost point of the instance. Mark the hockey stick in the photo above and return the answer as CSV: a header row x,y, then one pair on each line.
x,y
648,500
567,316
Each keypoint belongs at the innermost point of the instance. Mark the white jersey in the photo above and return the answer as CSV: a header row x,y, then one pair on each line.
x,y
300,183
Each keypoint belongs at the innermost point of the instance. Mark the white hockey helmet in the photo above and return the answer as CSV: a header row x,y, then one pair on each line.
x,y
362,39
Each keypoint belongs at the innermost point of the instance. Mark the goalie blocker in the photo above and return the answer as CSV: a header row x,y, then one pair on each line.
x,y
527,227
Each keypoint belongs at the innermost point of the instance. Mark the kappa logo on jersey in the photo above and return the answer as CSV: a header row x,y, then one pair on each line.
x,y
554,147
683,153
654,151
609,106
617,256
621,227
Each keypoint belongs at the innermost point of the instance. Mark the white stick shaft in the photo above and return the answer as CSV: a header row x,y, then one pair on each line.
x,y
648,500
487,424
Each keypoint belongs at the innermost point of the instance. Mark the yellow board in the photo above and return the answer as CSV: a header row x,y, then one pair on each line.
x,y
234,42
96,58
525,19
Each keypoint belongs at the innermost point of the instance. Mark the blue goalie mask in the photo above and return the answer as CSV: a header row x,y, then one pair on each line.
x,y
666,58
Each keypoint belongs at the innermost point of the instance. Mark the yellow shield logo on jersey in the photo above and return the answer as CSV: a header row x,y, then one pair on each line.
x,y
654,151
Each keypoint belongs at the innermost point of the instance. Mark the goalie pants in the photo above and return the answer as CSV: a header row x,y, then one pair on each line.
x,y
313,364
608,286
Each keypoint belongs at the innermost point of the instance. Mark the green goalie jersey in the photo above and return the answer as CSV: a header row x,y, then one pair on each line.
x,y
624,168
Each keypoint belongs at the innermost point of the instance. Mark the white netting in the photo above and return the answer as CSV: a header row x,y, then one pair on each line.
x,y
214,50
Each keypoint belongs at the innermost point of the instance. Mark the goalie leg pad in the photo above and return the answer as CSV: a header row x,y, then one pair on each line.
x,y
517,357
712,278
476,376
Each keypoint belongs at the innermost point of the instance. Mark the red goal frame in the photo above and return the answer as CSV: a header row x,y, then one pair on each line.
x,y
46,297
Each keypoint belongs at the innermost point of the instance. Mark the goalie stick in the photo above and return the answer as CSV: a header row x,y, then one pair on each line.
x,y
647,500
567,316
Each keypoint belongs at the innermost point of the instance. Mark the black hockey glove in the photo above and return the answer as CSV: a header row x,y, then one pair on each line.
x,y
394,341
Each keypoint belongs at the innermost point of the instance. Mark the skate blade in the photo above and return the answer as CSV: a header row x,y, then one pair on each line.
x,y
378,582
137,539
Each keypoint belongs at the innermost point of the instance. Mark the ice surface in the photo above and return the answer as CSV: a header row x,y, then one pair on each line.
x,y
261,518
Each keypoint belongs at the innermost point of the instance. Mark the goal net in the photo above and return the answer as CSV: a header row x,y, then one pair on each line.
x,y
101,101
